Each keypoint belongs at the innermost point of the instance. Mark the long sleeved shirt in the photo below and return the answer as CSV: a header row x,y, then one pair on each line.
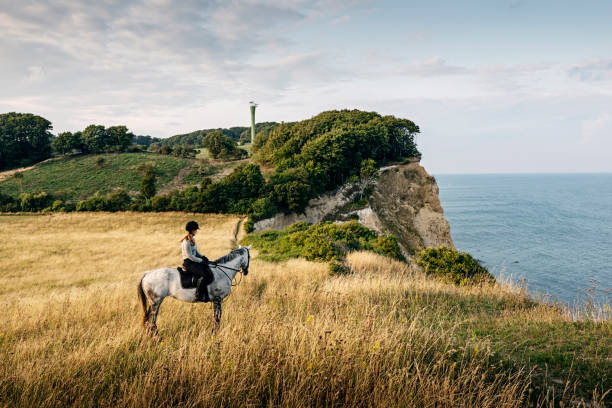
x,y
191,251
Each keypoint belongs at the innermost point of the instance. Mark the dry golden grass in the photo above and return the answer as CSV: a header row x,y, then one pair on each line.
x,y
290,335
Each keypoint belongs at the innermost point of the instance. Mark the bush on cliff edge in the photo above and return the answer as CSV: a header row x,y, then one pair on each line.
x,y
452,265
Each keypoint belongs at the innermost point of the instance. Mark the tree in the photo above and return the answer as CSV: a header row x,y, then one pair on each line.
x,y
118,138
147,185
368,170
145,140
221,146
77,141
94,139
24,139
63,143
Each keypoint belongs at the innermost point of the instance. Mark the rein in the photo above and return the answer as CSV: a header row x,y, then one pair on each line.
x,y
233,269
239,270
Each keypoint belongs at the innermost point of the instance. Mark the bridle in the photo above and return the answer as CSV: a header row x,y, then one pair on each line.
x,y
239,270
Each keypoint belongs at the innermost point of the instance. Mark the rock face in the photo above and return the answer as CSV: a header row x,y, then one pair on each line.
x,y
403,201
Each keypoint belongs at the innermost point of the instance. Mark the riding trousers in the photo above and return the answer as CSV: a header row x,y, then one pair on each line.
x,y
199,269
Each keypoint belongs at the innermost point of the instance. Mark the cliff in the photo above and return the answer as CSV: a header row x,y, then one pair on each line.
x,y
402,200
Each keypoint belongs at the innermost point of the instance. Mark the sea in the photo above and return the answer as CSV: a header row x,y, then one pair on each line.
x,y
552,232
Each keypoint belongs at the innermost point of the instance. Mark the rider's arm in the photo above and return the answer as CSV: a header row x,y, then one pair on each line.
x,y
187,252
204,258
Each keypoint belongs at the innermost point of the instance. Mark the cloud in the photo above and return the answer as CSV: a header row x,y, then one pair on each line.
x,y
434,66
97,60
598,70
341,20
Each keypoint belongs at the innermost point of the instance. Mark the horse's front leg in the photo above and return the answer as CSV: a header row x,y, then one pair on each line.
x,y
217,310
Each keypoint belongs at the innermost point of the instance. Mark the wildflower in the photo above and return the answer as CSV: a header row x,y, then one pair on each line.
x,y
229,363
162,343
309,319
309,367
376,346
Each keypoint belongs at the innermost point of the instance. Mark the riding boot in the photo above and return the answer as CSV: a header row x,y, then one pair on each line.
x,y
202,291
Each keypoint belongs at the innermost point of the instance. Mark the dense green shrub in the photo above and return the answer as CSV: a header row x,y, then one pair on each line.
x,y
387,245
147,184
234,193
262,132
260,209
93,203
452,265
8,203
320,242
119,200
35,201
290,189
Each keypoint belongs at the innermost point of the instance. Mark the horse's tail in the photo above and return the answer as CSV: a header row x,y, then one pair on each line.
x,y
143,301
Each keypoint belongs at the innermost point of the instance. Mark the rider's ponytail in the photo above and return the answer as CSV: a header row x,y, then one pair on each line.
x,y
189,237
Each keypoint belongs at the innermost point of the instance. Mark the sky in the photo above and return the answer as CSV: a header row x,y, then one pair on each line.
x,y
495,86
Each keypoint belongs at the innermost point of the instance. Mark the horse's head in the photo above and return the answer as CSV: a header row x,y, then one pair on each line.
x,y
246,260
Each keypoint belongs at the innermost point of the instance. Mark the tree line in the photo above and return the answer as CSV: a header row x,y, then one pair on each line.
x,y
239,134
26,139
311,156
94,139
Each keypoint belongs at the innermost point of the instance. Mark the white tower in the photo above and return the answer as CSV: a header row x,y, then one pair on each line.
x,y
253,106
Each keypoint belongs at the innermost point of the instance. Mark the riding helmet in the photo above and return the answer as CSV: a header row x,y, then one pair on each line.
x,y
192,226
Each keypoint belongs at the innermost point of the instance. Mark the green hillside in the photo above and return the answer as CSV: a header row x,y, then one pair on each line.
x,y
79,177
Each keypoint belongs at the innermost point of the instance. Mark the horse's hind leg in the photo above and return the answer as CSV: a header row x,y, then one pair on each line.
x,y
153,313
217,310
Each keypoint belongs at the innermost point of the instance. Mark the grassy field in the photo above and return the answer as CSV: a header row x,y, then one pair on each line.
x,y
79,177
290,335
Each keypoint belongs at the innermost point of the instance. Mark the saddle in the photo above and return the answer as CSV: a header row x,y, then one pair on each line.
x,y
188,279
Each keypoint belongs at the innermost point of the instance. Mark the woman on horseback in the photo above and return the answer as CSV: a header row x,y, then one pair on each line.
x,y
193,261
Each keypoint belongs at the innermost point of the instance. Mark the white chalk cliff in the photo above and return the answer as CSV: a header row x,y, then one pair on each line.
x,y
403,201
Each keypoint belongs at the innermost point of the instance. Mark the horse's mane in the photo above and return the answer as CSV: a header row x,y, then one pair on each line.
x,y
229,256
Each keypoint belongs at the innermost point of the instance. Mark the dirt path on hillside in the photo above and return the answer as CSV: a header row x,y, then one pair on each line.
x,y
177,182
230,166
9,173
238,232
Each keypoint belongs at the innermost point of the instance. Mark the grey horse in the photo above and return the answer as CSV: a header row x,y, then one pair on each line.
x,y
157,284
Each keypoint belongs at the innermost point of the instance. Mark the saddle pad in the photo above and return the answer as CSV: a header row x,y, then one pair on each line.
x,y
188,280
